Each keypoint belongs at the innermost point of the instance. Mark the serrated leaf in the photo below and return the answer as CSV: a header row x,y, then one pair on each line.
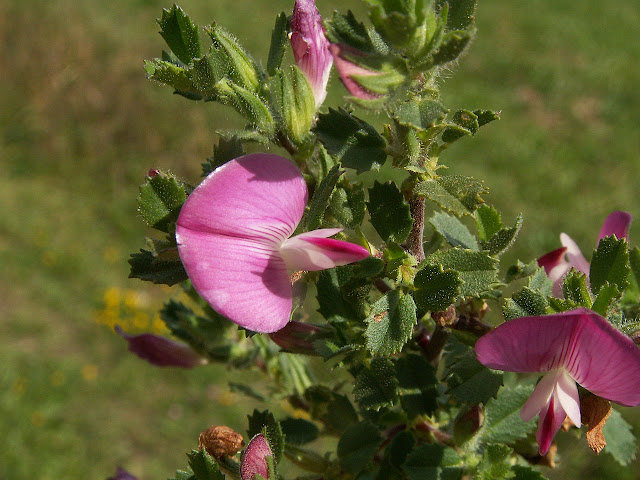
x,y
376,386
278,43
347,204
204,466
465,122
390,214
526,473
574,288
293,102
610,263
471,382
333,307
434,191
226,150
357,446
160,199
266,424
454,231
494,464
524,303
420,113
180,33
170,74
417,384
248,104
457,194
431,462
390,324
352,140
621,443
503,239
453,44
488,222
460,14
605,298
478,271
346,30
299,431
318,204
436,289
502,422
146,265
539,280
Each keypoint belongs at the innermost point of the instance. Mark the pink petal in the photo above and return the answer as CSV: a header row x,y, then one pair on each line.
x,y
556,267
311,47
254,459
348,70
616,223
259,196
540,397
161,351
294,337
311,251
574,255
605,361
566,392
242,279
550,421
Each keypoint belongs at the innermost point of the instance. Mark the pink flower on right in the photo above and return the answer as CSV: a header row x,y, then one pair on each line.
x,y
557,266
575,347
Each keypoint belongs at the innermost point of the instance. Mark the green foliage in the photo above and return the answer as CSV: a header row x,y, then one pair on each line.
x,y
436,288
390,323
201,467
432,462
353,141
318,204
454,231
376,386
293,101
457,194
390,214
526,473
460,14
478,271
610,263
621,443
226,150
471,382
502,422
420,113
278,43
357,446
494,464
333,306
160,265
531,299
501,240
417,385
574,288
347,204
180,34
299,431
160,200
266,424
346,30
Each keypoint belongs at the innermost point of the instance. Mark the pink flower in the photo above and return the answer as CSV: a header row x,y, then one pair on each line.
x,y
311,47
254,459
570,347
234,240
555,264
161,351
350,72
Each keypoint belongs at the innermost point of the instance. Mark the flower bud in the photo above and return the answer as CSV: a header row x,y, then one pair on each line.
x,y
311,47
254,459
220,441
294,337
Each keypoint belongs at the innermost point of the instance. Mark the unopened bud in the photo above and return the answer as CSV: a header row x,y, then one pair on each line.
x,y
220,441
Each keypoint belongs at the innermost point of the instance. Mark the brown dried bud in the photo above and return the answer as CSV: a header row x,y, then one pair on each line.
x,y
220,441
445,318
595,412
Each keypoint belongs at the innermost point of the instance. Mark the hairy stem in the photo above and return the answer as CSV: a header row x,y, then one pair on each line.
x,y
414,242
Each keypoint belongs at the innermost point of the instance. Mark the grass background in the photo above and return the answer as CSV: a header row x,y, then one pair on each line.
x,y
80,125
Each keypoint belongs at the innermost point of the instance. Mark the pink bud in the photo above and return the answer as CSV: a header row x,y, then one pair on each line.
x,y
254,459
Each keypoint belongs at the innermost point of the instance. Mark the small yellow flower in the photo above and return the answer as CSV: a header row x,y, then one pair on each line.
x,y
90,372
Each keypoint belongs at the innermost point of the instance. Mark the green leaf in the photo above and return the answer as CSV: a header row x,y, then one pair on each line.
x,y
347,204
352,140
574,288
452,46
478,271
180,34
357,446
494,464
204,466
526,473
299,431
376,386
465,122
248,104
527,302
457,194
503,239
333,307
266,424
160,200
605,298
417,384
432,462
460,14
471,382
390,323
346,30
293,102
318,204
226,150
502,422
170,74
621,443
157,268
488,222
390,214
420,113
454,231
436,289
610,263
278,43
523,270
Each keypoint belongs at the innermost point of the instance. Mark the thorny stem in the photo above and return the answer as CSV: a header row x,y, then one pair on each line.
x,y
414,240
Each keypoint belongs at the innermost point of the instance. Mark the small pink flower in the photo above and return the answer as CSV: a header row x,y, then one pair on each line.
x,y
572,347
254,459
557,266
311,47
161,351
350,71
234,239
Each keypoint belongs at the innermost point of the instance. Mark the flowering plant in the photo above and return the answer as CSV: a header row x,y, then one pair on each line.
x,y
407,327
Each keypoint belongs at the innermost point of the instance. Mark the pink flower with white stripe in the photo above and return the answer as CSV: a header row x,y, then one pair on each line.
x,y
234,240
311,47
575,347
558,262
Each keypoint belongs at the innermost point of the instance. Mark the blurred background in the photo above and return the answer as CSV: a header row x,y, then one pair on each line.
x,y
80,126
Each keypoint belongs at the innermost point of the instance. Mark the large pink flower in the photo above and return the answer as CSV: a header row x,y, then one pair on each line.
x,y
557,266
570,347
311,47
233,237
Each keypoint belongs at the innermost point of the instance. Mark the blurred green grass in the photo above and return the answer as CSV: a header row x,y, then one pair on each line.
x,y
80,125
